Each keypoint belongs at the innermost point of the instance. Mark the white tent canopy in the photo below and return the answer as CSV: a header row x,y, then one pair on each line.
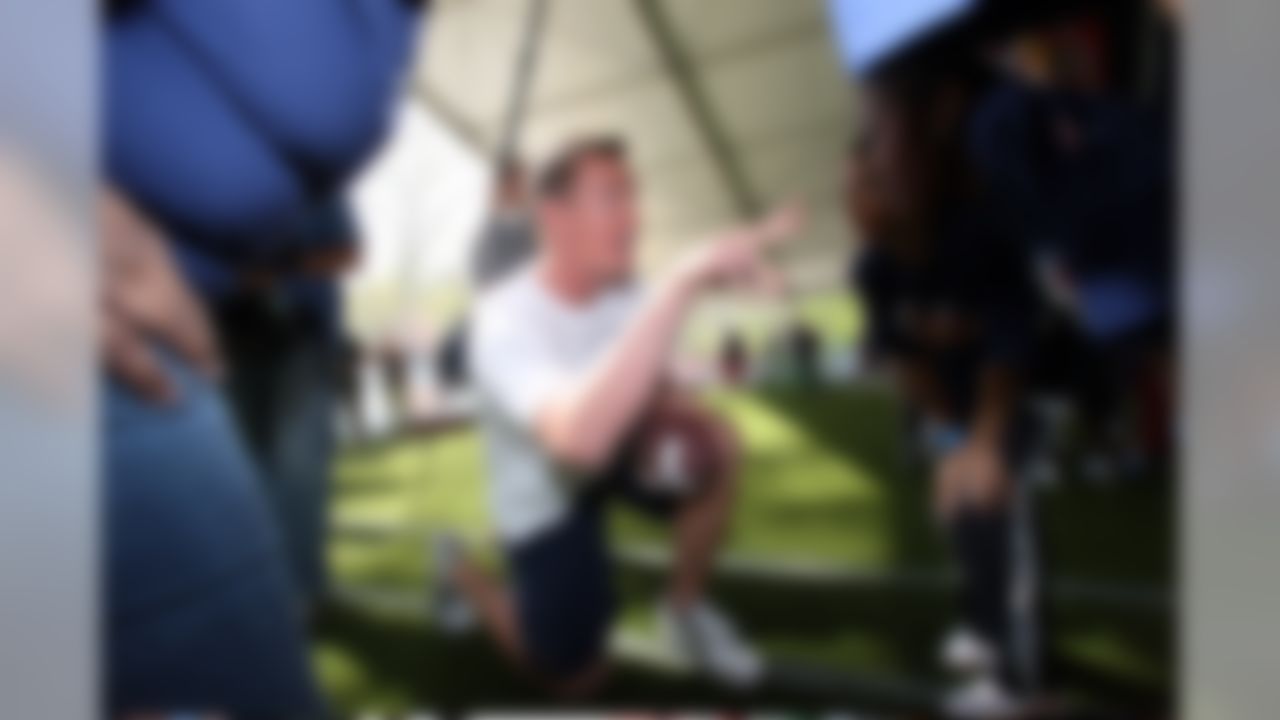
x,y
727,105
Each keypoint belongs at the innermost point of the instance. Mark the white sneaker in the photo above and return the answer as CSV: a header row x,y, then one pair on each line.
x,y
982,698
965,652
452,612
706,638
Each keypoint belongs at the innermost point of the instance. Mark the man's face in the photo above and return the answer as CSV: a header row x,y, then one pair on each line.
x,y
593,225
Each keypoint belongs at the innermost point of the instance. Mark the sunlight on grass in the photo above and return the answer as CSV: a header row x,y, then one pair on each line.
x,y
762,430
340,672
433,482
823,481
799,497
398,563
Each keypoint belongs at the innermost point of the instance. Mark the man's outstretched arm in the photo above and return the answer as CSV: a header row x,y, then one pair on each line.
x,y
585,420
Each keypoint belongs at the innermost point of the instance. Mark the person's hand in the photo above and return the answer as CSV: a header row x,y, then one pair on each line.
x,y
974,475
741,256
144,303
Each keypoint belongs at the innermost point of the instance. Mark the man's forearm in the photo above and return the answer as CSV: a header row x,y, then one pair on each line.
x,y
584,425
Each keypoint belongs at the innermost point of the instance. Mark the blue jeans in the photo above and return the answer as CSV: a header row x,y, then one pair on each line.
x,y
199,613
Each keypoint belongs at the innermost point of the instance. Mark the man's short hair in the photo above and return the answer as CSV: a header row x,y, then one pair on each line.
x,y
561,170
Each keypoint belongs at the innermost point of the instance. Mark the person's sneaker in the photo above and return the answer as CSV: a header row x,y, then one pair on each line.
x,y
449,606
981,698
706,638
965,652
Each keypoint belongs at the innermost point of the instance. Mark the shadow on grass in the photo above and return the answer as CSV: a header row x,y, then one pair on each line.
x,y
404,665
854,647
1120,532
863,425
390,664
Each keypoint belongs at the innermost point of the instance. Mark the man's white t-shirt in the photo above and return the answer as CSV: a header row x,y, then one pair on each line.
x,y
525,344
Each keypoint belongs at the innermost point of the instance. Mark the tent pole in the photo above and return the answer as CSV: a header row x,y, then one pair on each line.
x,y
522,78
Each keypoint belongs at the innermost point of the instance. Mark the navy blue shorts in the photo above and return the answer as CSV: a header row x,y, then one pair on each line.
x,y
564,594
563,577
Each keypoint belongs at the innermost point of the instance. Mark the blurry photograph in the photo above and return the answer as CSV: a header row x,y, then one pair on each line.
x,y
639,358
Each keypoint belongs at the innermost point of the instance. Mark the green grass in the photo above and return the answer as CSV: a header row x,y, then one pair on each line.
x,y
824,480
838,319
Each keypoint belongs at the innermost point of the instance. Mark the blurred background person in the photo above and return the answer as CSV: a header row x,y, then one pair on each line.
x,y
346,381
226,151
509,239
734,357
805,346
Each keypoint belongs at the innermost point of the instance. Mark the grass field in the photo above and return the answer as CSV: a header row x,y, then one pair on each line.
x,y
826,484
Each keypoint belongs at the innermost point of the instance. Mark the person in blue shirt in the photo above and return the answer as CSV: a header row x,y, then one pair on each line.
x,y
229,127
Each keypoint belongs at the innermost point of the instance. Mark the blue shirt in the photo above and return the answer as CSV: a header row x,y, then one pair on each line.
x,y
230,121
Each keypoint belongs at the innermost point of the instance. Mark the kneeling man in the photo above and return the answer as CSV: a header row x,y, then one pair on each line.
x,y
570,363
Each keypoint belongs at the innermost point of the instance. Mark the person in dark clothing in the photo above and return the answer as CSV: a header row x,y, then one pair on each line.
x,y
952,314
735,358
1088,181
220,142
805,346
509,239
507,242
